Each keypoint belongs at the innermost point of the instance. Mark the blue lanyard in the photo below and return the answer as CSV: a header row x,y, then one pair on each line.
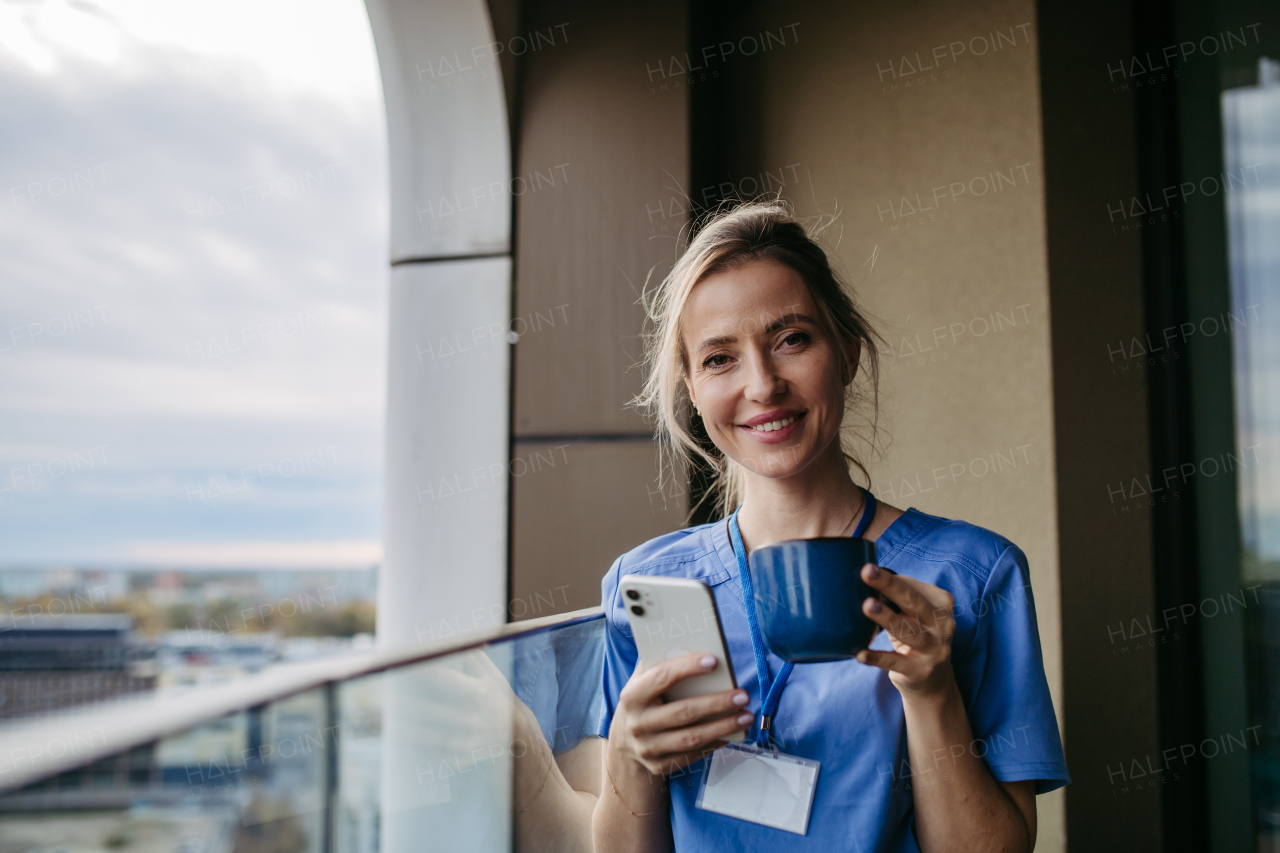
x,y
771,688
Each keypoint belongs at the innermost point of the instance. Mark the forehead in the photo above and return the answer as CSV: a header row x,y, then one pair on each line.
x,y
743,300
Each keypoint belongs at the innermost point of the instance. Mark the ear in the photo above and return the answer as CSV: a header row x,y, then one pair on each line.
x,y
853,355
689,388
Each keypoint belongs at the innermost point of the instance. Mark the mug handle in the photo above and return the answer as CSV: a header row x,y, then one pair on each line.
x,y
884,599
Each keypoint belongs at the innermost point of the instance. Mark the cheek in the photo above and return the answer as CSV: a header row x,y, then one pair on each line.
x,y
718,413
716,392
820,384
833,387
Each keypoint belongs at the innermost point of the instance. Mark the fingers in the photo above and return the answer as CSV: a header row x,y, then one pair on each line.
x,y
921,633
895,588
665,736
925,623
903,629
656,751
646,686
926,602
686,712
911,672
672,763
888,661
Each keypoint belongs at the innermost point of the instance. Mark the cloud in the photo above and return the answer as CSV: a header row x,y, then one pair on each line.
x,y
193,278
291,47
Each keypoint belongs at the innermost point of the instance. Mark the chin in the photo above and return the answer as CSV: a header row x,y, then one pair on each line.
x,y
777,463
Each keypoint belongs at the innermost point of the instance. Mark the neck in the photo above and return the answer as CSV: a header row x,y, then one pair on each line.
x,y
820,501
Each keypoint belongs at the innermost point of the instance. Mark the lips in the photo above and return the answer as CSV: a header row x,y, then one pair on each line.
x,y
776,419
774,426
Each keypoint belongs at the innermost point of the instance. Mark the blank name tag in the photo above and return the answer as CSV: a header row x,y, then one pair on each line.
x,y
760,786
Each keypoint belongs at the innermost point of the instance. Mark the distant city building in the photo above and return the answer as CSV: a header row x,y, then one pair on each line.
x,y
53,662
80,590
202,657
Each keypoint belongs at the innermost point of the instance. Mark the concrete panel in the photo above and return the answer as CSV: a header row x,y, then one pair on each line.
x,y
577,507
446,128
605,155
445,531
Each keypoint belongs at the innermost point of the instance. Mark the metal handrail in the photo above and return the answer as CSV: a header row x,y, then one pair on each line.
x,y
44,747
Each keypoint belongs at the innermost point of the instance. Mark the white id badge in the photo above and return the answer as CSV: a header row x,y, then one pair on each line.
x,y
761,786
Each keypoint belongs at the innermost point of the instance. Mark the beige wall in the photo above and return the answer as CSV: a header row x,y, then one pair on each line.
x,y
577,507
584,248
960,290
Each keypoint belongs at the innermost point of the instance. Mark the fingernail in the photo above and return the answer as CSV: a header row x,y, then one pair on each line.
x,y
744,720
873,571
741,699
873,605
861,657
708,662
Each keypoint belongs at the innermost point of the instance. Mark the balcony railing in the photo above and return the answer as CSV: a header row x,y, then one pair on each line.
x,y
485,743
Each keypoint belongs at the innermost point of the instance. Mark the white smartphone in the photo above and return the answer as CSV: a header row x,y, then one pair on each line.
x,y
673,617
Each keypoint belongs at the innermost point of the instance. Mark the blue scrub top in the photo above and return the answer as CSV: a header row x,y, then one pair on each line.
x,y
848,715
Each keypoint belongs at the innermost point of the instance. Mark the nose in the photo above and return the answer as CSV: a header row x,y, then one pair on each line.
x,y
763,382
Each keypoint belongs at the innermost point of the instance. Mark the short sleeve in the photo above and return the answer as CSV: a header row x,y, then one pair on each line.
x,y
1003,681
533,679
579,651
556,674
620,654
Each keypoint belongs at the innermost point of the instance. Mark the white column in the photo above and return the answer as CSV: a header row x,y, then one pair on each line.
x,y
444,567
445,529
448,383
446,128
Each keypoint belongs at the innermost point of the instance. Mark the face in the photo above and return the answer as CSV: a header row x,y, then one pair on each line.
x,y
766,377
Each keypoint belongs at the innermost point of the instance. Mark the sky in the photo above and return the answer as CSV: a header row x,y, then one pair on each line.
x,y
193,276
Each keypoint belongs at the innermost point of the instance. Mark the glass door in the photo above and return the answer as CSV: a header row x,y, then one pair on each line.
x,y
1251,138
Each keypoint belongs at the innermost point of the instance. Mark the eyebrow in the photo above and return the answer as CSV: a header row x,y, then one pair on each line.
x,y
785,320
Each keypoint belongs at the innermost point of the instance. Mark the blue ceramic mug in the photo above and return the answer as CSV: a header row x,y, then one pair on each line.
x,y
809,595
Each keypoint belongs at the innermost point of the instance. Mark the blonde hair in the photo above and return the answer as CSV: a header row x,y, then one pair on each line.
x,y
745,232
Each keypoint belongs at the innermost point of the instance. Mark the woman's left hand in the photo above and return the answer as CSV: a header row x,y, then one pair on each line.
x,y
920,664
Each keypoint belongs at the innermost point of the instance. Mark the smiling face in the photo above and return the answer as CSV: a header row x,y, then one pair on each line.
x,y
766,376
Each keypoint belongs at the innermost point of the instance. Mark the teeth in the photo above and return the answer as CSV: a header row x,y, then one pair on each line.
x,y
773,426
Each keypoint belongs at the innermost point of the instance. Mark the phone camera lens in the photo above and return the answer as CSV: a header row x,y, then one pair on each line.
x,y
633,594
637,609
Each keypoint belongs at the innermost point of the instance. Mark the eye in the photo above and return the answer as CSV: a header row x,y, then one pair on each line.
x,y
714,361
795,339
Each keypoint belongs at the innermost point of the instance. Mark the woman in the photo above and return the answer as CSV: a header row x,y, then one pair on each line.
x,y
938,737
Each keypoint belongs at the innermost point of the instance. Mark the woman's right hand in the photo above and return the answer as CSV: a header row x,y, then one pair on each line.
x,y
663,737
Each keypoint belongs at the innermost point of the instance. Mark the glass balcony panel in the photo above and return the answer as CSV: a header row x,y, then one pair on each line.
x,y
487,749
